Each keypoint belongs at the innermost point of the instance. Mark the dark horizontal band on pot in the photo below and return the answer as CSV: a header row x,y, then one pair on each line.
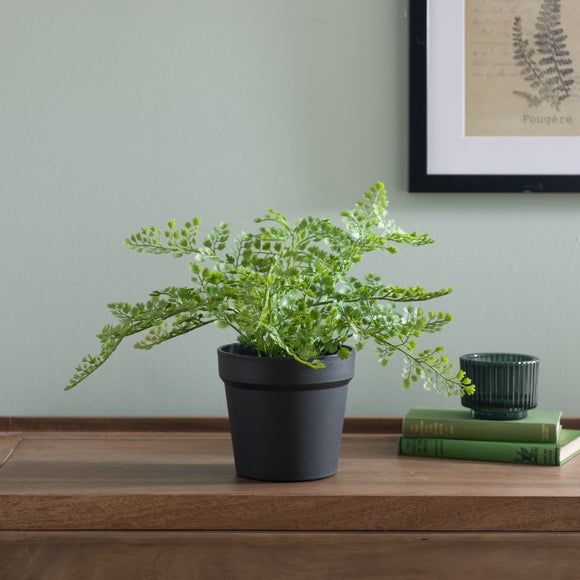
x,y
285,387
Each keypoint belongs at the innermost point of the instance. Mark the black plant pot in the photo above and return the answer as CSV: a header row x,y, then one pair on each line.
x,y
286,418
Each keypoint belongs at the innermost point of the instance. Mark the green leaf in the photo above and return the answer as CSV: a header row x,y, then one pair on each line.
x,y
344,353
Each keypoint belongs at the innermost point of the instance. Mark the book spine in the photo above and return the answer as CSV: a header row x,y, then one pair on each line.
x,y
480,430
507,452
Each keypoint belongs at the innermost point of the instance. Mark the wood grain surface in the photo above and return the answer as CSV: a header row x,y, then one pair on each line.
x,y
170,424
187,481
161,500
187,424
287,556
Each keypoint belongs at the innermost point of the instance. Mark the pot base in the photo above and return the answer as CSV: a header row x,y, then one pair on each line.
x,y
318,477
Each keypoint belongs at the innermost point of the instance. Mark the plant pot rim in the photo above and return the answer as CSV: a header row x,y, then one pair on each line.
x,y
250,369
233,348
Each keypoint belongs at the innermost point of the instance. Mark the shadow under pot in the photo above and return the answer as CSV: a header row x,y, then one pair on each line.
x,y
506,385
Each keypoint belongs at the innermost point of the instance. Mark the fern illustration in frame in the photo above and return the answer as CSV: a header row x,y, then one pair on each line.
x,y
549,77
530,139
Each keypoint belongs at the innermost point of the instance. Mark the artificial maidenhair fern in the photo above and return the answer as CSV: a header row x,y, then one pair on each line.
x,y
286,290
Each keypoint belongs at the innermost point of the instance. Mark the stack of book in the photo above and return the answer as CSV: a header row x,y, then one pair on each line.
x,y
452,433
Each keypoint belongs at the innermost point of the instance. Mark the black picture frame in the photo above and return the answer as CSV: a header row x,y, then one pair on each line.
x,y
420,180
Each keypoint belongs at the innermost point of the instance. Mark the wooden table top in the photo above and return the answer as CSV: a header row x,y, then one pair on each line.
x,y
170,479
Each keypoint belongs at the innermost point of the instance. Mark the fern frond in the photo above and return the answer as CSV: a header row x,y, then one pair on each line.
x,y
177,242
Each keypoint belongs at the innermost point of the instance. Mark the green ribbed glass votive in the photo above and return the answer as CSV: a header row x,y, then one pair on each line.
x,y
506,385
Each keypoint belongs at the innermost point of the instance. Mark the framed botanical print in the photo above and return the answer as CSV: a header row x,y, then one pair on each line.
x,y
494,96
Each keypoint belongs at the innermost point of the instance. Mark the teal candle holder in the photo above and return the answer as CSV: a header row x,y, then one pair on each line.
x,y
506,385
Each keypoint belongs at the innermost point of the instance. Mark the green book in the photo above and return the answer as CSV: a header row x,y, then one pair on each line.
x,y
568,446
538,426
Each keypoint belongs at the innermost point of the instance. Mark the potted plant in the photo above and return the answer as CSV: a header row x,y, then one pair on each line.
x,y
299,314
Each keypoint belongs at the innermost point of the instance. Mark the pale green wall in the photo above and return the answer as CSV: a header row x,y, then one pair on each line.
x,y
116,114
